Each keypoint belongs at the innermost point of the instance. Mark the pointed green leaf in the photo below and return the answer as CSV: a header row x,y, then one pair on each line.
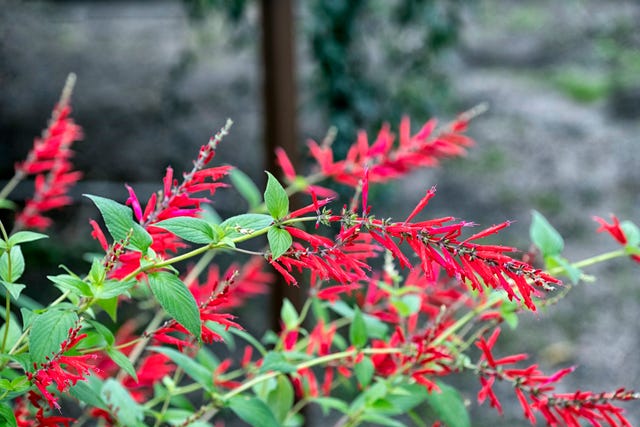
x,y
48,331
15,289
572,272
276,199
103,331
380,419
123,361
88,391
245,224
289,314
246,187
358,330
122,406
274,361
7,204
281,398
113,288
190,366
449,406
375,327
632,232
364,371
67,282
194,230
253,411
24,237
544,236
110,306
6,414
279,241
12,264
407,305
327,403
176,299
119,221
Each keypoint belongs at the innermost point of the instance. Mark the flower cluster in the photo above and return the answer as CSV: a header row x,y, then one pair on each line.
x,y
536,391
50,161
393,308
61,369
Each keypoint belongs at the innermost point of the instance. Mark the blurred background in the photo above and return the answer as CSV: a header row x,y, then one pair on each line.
x,y
562,78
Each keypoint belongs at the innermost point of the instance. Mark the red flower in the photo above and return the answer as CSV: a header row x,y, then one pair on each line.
x,y
49,160
536,392
61,370
616,231
387,160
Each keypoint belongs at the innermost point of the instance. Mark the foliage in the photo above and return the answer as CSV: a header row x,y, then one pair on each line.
x,y
393,307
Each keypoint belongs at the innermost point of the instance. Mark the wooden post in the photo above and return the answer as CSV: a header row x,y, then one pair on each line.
x,y
280,128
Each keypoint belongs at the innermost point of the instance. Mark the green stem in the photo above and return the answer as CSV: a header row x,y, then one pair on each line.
x,y
495,297
11,185
308,364
591,261
7,322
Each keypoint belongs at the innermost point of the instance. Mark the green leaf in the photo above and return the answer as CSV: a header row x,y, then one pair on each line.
x,y
174,296
15,289
405,397
97,273
88,391
544,236
279,241
574,273
327,403
632,232
380,419
364,371
24,237
113,288
48,331
123,361
7,204
67,282
245,224
6,414
253,411
276,199
289,314
190,366
449,406
119,221
122,406
508,311
407,304
274,361
15,260
103,331
281,398
358,330
375,327
246,187
110,306
194,230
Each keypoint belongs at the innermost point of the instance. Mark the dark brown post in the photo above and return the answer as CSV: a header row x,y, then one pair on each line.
x,y
280,129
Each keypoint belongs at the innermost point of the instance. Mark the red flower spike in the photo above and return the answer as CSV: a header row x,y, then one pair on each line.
x,y
50,161
387,160
61,370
